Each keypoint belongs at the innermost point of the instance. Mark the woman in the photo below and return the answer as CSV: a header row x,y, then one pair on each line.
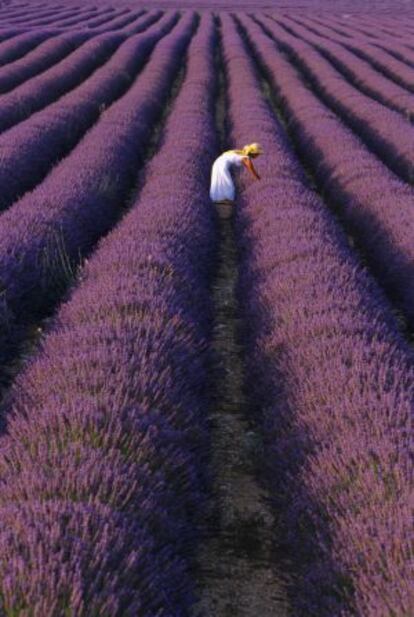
x,y
222,188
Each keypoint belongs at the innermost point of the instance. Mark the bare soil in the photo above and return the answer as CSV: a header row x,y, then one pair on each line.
x,y
238,570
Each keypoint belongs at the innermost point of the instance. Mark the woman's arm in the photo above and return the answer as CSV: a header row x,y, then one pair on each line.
x,y
248,163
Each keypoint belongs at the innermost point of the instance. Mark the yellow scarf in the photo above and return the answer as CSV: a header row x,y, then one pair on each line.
x,y
254,148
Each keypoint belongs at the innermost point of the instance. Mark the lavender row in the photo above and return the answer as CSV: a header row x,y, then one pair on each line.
x,y
323,27
35,11
384,130
81,198
370,30
127,23
359,72
31,148
387,56
8,33
329,377
373,32
16,47
11,19
349,175
393,43
119,432
376,31
394,46
106,24
78,19
38,18
134,23
7,11
73,16
104,21
43,57
117,21
44,89
391,67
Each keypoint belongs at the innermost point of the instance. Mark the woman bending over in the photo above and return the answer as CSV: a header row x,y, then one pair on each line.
x,y
222,187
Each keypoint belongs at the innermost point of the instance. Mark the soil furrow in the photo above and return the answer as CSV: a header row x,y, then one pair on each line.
x,y
238,573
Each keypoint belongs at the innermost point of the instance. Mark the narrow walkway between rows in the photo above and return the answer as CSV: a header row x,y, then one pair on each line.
x,y
237,572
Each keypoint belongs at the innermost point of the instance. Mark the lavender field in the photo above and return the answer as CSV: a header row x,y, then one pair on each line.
x,y
204,416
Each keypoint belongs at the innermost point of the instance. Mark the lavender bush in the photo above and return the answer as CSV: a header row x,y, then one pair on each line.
x,y
330,377
359,72
105,446
31,148
67,17
372,40
350,175
385,62
53,24
384,130
16,47
67,77
8,33
117,431
45,88
105,20
40,59
81,198
130,23
133,24
25,14
77,20
73,17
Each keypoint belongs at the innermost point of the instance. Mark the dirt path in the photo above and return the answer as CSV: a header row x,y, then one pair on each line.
x,y
238,577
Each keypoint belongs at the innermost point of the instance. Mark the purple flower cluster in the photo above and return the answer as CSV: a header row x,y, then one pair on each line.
x,y
23,15
383,129
103,466
137,23
359,7
359,72
43,57
131,23
375,38
77,19
85,93
45,88
106,20
376,204
329,376
381,54
81,198
15,47
39,18
31,148
7,34
103,19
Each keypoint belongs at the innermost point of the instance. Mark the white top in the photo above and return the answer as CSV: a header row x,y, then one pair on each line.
x,y
222,186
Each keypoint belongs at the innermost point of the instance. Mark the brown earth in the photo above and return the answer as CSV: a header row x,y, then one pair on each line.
x,y
239,575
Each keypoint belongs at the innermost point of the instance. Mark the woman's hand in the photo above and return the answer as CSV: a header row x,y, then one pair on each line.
x,y
248,163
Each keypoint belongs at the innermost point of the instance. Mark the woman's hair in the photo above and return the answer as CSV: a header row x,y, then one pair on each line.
x,y
253,148
248,150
